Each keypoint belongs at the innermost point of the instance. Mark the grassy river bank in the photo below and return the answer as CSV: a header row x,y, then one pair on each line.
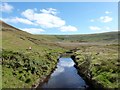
x,y
99,65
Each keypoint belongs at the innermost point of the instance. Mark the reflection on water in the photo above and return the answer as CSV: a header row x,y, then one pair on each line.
x,y
68,62
65,76
62,65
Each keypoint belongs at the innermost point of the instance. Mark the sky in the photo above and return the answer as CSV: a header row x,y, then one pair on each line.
x,y
61,18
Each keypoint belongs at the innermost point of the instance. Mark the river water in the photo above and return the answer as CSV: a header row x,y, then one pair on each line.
x,y
65,76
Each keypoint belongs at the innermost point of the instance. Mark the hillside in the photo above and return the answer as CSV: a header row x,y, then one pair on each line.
x,y
23,66
100,37
21,38
13,37
27,67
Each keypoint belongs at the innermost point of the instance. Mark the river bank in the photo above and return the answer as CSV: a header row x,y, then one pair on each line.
x,y
45,79
34,73
98,65
27,68
93,84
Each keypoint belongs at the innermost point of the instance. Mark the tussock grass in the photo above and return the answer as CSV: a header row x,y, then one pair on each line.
x,y
100,63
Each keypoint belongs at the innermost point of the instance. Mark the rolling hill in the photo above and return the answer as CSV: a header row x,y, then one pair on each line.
x,y
100,37
16,38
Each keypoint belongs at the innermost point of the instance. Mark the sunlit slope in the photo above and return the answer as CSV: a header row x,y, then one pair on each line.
x,y
25,67
12,36
15,39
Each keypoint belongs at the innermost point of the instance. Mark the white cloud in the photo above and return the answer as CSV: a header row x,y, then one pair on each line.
x,y
95,28
102,29
33,30
29,14
18,20
49,11
46,19
5,7
106,19
107,12
68,28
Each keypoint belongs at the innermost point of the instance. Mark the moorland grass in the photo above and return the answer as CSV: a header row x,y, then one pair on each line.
x,y
99,63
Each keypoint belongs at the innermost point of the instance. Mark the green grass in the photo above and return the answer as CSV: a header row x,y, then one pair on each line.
x,y
26,67
101,63
23,39
22,66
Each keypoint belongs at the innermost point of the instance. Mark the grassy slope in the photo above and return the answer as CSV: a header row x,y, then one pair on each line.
x,y
110,37
25,67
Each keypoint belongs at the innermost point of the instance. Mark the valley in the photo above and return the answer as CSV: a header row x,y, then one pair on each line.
x,y
95,56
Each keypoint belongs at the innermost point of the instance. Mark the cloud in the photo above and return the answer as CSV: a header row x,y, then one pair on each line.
x,y
33,30
102,29
106,19
95,28
29,14
49,11
46,19
18,20
107,12
68,29
66,64
58,71
103,19
5,7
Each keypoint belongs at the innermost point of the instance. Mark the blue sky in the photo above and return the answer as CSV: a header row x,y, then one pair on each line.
x,y
61,17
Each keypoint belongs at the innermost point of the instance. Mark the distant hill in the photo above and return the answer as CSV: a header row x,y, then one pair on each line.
x,y
100,37
13,37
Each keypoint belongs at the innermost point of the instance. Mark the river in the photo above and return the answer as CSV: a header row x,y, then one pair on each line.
x,y
65,76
